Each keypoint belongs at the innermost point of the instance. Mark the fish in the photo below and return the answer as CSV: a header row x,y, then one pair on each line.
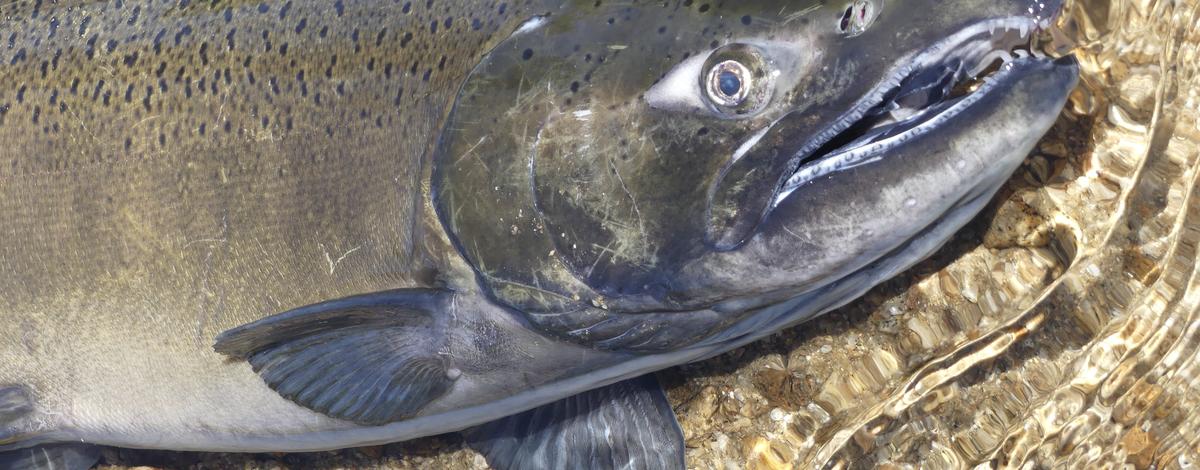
x,y
297,226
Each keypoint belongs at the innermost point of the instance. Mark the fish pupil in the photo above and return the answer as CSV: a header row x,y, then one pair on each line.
x,y
729,83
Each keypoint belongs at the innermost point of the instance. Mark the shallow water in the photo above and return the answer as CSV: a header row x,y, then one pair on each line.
x,y
1060,329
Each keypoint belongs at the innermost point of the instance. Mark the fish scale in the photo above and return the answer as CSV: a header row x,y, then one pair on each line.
x,y
300,225
136,81
180,168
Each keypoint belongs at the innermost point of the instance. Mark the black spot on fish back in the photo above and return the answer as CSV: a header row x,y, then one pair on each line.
x,y
148,79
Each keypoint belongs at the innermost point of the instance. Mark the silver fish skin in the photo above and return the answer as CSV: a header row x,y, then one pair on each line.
x,y
300,225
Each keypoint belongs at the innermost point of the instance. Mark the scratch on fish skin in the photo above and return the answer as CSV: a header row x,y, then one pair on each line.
x,y
453,312
520,85
539,291
542,291
333,264
221,110
790,232
270,260
799,14
204,240
650,136
209,308
607,249
143,121
632,200
83,124
471,153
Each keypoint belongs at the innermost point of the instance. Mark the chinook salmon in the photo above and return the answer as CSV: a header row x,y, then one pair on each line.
x,y
306,225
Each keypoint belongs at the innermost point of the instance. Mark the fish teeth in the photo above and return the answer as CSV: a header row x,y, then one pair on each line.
x,y
989,59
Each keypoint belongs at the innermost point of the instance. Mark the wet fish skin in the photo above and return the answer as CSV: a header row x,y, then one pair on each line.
x,y
608,197
182,168
285,164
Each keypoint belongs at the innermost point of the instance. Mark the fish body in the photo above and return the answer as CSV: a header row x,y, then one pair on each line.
x,y
180,169
293,226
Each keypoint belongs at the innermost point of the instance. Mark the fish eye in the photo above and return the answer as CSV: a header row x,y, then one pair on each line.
x,y
729,83
736,80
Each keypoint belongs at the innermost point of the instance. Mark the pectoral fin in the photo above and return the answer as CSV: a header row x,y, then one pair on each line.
x,y
67,456
372,359
626,425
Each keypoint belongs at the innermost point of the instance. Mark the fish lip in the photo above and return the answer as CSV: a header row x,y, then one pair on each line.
x,y
939,53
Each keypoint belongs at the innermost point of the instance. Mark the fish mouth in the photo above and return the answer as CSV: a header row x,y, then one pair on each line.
x,y
932,87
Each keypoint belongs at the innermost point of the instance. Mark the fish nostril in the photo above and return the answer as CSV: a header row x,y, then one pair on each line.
x,y
857,17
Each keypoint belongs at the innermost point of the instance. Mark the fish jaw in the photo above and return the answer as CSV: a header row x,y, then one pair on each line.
x,y
899,187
